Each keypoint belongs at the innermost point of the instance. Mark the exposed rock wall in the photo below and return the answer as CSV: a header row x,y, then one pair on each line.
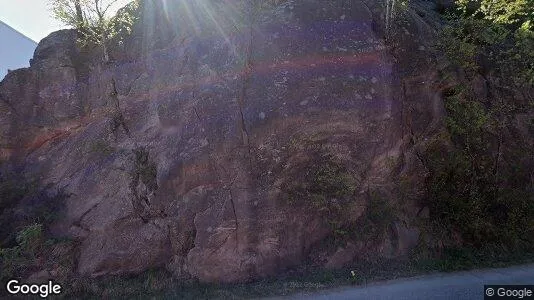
x,y
188,149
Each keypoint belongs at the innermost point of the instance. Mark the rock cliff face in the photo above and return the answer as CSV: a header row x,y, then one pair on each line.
x,y
231,141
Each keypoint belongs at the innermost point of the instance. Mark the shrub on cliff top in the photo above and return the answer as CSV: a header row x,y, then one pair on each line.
x,y
95,21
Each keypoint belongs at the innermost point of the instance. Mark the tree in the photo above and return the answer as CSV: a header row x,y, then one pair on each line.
x,y
482,187
499,11
93,19
499,33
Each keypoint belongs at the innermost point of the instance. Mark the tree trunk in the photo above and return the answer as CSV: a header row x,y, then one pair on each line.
x,y
79,13
80,18
104,48
102,24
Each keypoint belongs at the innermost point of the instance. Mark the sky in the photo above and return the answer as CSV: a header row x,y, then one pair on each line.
x,y
31,17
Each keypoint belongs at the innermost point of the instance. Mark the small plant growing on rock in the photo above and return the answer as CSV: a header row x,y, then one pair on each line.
x,y
379,215
143,182
101,147
17,259
30,239
325,187
325,183
26,212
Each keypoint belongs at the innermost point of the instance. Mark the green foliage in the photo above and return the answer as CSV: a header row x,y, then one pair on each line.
x,y
326,187
70,12
122,24
101,147
145,170
396,13
24,202
11,260
26,212
143,181
30,239
465,258
513,12
480,188
94,21
17,259
326,184
493,37
379,215
467,119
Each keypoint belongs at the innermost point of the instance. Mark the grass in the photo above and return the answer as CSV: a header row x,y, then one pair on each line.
x,y
161,285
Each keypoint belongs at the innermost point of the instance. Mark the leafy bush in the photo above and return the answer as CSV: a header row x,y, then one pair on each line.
x,y
95,23
122,24
17,259
480,187
380,214
27,211
325,186
480,190
30,239
494,37
324,180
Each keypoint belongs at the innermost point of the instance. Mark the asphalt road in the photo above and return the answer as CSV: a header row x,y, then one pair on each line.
x,y
462,285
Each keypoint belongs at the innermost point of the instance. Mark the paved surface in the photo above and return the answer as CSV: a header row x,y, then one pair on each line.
x,y
462,285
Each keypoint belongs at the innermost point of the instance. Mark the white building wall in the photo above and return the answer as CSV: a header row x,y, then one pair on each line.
x,y
15,49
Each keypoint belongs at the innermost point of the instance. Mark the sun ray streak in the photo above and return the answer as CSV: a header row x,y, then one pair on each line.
x,y
166,9
191,16
218,26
